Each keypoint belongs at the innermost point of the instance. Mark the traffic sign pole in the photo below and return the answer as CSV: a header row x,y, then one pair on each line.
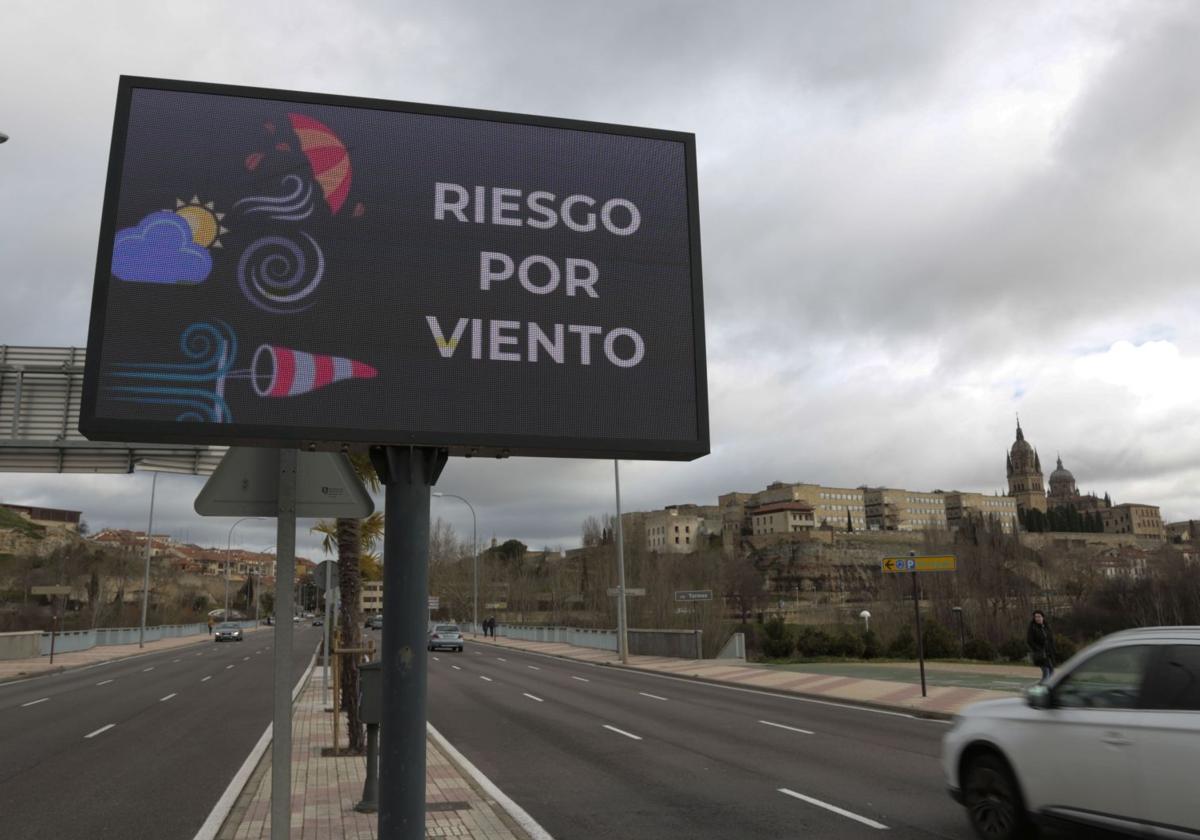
x,y
622,615
285,572
920,643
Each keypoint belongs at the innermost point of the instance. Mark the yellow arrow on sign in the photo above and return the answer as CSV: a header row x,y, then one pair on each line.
x,y
940,563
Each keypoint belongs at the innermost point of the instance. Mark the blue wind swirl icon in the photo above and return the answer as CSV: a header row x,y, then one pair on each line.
x,y
196,387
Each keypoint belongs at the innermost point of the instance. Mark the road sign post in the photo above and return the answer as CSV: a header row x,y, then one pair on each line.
x,y
915,565
53,591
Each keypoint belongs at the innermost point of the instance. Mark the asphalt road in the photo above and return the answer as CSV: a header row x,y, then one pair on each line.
x,y
137,749
593,751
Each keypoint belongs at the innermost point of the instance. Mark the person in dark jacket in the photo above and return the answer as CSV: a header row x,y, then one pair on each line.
x,y
1040,639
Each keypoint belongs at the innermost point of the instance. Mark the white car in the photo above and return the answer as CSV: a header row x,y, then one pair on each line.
x,y
1110,742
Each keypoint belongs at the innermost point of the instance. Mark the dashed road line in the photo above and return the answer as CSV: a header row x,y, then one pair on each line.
x,y
437,659
623,732
104,682
100,730
206,679
487,679
175,660
581,679
34,702
227,667
850,815
151,668
533,667
501,658
168,697
789,728
651,696
533,697
456,668
245,658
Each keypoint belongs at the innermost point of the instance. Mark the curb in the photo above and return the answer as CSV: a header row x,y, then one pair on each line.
x,y
518,814
926,714
216,817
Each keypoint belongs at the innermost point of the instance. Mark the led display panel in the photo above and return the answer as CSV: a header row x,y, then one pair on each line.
x,y
280,268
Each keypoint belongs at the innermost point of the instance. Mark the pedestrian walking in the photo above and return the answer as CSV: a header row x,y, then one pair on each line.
x,y
1040,639
210,625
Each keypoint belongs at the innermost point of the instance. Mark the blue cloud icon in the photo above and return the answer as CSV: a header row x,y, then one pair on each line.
x,y
160,250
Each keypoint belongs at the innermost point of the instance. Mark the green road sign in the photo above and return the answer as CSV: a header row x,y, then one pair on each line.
x,y
894,565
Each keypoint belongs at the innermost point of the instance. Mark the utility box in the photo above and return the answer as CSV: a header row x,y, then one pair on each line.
x,y
370,706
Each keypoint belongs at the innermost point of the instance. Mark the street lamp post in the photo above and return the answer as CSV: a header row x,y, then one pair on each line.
x,y
962,637
229,558
475,556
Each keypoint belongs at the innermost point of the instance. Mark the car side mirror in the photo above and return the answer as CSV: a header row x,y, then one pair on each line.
x,y
1038,697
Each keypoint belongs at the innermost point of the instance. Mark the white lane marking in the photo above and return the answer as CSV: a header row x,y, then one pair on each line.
x,y
456,668
488,679
104,682
789,728
533,667
501,658
245,658
98,731
151,668
532,697
34,702
174,660
623,732
227,667
201,653
835,809
477,653
168,697
206,679
217,816
581,679
437,659
652,696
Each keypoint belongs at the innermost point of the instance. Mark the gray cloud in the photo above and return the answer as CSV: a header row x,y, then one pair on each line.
x,y
918,219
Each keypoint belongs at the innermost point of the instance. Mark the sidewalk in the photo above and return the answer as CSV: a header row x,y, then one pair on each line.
x,y
942,701
19,669
325,789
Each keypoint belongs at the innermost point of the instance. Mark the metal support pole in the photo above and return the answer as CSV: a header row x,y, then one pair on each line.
x,y
328,628
146,574
408,473
370,794
285,573
622,616
920,643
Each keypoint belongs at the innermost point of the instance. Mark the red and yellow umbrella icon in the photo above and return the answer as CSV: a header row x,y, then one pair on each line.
x,y
327,155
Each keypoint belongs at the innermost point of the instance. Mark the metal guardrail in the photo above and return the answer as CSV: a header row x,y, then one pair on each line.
x,y
76,640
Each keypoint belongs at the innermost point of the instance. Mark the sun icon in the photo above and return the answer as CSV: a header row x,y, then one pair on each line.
x,y
204,221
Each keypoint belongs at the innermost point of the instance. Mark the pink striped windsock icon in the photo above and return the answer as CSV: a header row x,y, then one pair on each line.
x,y
280,372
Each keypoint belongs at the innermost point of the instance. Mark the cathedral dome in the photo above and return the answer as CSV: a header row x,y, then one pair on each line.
x,y
1061,474
1021,457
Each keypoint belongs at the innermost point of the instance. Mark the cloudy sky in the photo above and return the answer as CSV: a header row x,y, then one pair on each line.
x,y
918,219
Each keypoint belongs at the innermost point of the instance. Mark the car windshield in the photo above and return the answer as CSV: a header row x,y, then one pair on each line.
x,y
229,627
446,628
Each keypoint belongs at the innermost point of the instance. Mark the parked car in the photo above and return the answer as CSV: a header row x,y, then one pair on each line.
x,y
446,636
227,632
318,621
1111,742
375,622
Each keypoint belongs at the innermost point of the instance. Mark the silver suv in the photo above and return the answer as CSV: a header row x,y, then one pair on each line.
x,y
1111,742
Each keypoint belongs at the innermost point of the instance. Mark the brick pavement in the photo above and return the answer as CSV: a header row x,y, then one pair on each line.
x,y
325,790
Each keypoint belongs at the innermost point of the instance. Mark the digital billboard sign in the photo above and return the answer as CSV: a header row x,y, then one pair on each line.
x,y
280,268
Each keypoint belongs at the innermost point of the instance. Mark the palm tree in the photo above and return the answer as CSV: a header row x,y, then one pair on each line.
x,y
352,539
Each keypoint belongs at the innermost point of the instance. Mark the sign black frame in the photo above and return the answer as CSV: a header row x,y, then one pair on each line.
x,y
240,434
